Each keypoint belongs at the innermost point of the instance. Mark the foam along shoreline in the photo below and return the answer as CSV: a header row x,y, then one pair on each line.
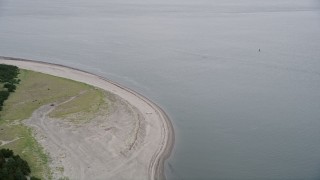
x,y
162,133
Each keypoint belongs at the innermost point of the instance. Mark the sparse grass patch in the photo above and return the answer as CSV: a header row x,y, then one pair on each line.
x,y
83,107
26,147
35,90
64,178
1,87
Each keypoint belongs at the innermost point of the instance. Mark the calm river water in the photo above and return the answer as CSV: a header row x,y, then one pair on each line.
x,y
238,113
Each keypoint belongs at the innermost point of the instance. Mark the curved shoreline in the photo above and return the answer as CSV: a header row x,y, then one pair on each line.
x,y
156,166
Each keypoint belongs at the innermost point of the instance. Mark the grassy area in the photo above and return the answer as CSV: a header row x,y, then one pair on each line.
x,y
26,147
37,89
82,108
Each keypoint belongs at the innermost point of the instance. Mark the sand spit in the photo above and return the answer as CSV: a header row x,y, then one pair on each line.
x,y
144,160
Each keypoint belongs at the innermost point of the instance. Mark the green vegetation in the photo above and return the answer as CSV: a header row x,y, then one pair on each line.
x,y
23,143
82,108
8,74
35,90
13,166
8,77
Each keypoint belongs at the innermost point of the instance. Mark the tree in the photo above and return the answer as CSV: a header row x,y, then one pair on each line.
x,y
8,76
24,166
10,87
6,153
18,175
13,167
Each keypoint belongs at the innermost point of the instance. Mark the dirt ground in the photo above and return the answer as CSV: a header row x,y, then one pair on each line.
x,y
103,148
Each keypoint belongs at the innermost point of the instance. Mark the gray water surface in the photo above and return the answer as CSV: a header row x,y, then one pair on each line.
x,y
238,113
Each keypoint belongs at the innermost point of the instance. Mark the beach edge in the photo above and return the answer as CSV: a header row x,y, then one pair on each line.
x,y
156,166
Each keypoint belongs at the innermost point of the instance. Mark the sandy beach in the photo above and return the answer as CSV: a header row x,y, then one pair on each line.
x,y
145,161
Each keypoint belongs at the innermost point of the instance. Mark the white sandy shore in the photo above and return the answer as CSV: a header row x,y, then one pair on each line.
x,y
159,130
